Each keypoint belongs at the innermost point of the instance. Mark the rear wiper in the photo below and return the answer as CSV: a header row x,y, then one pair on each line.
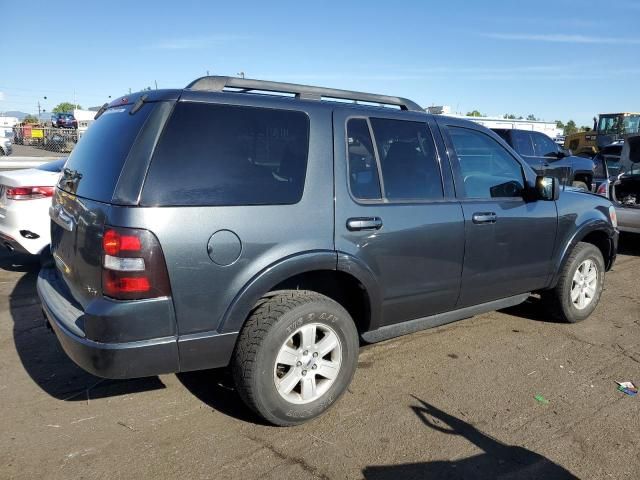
x,y
71,175
138,105
103,108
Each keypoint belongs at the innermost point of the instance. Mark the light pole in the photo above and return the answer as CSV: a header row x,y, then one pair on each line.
x,y
241,75
40,109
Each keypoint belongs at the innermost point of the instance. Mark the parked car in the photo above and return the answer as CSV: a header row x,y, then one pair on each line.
x,y
25,198
548,158
618,179
64,120
6,147
269,232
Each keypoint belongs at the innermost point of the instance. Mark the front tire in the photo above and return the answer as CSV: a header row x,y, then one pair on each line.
x,y
295,356
580,286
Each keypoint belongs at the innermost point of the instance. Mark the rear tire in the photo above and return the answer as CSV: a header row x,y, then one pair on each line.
x,y
295,356
580,285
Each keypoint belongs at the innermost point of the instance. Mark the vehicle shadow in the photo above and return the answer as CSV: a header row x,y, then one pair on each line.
x,y
533,308
498,460
40,352
629,244
216,389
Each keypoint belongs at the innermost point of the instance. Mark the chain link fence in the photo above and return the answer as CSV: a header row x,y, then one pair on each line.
x,y
54,139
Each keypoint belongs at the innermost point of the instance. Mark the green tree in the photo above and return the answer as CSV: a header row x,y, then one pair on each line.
x,y
559,124
474,113
570,128
509,116
30,119
65,107
531,117
584,128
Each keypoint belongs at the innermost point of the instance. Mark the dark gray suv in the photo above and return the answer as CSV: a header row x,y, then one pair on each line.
x,y
272,227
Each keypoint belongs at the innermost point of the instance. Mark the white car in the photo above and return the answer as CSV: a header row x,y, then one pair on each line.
x,y
25,198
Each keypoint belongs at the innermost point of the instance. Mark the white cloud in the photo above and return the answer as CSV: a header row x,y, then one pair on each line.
x,y
195,43
563,38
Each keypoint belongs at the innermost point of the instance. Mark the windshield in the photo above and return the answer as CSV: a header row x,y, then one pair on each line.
x,y
618,124
631,123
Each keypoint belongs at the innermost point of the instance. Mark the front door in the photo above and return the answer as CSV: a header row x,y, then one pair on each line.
x,y
554,164
509,241
395,214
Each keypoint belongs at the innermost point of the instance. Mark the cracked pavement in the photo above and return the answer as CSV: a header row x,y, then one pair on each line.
x,y
451,402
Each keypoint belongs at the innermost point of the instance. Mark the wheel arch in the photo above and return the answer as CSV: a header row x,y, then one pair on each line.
x,y
320,271
599,233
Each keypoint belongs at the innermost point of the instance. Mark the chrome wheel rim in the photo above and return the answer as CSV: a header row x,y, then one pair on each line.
x,y
584,284
308,363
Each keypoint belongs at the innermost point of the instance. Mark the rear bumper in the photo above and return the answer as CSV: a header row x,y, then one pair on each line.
x,y
132,359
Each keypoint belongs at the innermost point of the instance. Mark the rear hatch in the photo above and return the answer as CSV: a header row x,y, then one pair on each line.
x,y
106,168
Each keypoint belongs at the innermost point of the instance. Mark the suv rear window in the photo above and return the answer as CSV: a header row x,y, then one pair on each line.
x,y
100,154
229,155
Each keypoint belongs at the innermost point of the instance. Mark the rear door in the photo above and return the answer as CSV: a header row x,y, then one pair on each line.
x,y
508,241
522,143
395,211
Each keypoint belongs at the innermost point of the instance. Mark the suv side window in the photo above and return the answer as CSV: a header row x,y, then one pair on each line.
x,y
363,168
488,169
522,143
543,145
212,154
408,160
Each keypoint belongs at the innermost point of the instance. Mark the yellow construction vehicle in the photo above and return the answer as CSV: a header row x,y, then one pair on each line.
x,y
608,128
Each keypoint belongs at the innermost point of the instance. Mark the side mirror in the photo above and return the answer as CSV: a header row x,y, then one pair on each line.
x,y
547,188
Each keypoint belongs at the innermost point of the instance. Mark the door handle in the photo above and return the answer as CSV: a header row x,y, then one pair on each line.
x,y
364,223
484,217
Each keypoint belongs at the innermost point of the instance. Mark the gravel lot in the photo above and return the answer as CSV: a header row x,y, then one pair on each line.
x,y
453,402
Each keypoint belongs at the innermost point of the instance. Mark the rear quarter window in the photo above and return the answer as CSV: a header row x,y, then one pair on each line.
x,y
229,155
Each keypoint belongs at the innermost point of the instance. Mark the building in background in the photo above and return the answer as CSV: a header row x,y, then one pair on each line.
x,y
8,121
548,128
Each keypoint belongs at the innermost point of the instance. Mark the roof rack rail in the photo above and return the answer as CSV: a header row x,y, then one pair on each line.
x,y
305,92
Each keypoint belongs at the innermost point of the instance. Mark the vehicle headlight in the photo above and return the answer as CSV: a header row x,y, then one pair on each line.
x,y
613,216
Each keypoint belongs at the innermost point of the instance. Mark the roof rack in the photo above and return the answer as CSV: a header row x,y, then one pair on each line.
x,y
304,92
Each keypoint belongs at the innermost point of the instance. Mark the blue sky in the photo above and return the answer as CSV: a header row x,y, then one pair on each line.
x,y
557,59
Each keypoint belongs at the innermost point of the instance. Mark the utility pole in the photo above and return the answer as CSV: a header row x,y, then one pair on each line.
x,y
241,75
156,82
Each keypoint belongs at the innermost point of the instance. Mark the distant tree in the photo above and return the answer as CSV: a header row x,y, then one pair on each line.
x,y
65,107
531,117
584,128
560,125
570,128
474,113
30,119
509,116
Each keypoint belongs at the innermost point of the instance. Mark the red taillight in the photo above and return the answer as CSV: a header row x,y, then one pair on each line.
x,y
29,193
113,243
133,265
602,189
113,284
